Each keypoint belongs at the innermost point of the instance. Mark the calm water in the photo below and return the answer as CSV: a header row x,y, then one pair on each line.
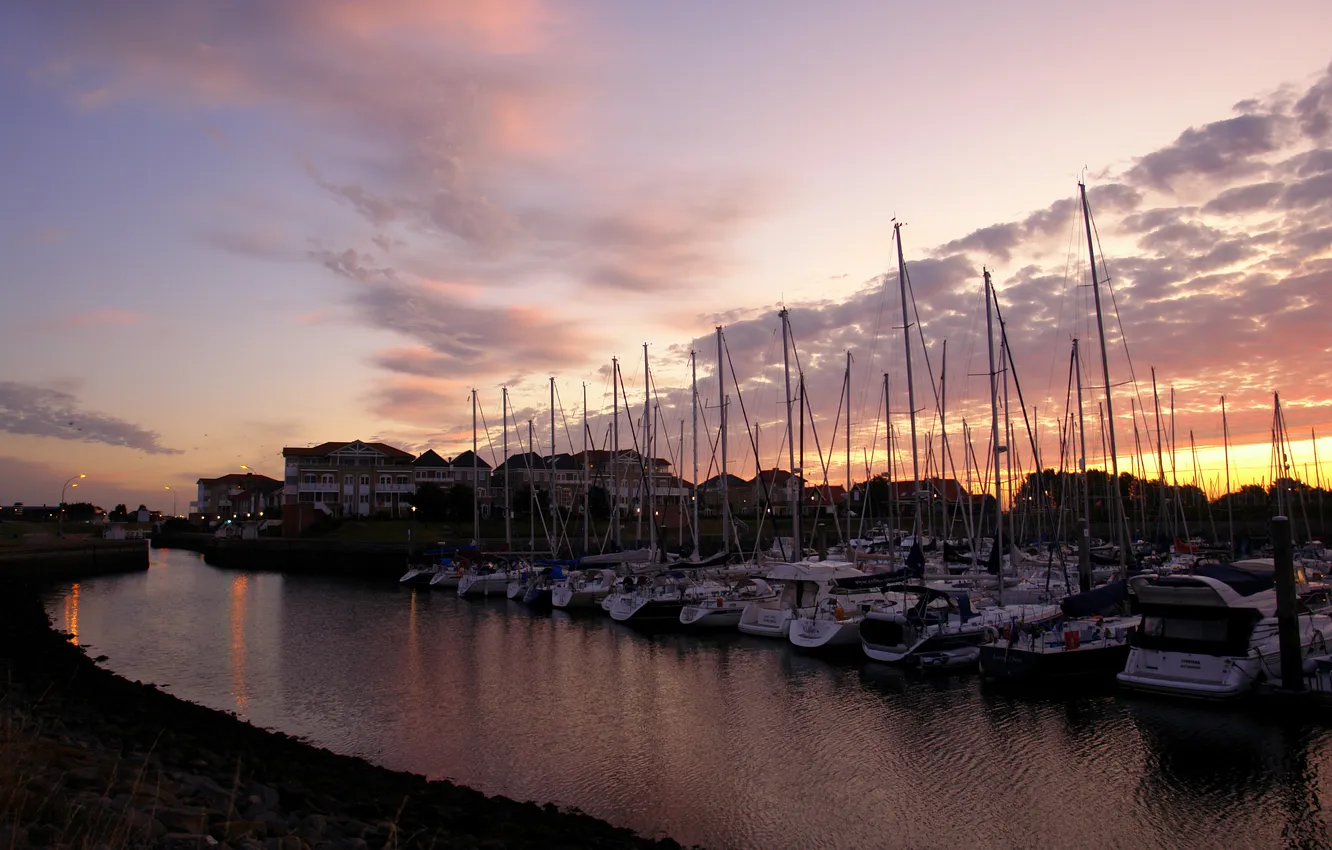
x,y
728,741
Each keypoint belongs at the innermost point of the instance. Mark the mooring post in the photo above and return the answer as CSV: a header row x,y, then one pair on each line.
x,y
1288,625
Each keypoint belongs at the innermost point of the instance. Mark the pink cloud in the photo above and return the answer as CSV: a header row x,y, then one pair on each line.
x,y
108,317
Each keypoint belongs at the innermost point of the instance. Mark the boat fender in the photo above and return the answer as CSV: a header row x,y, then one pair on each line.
x,y
991,634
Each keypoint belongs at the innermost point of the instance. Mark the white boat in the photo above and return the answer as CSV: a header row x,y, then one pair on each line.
x,y
936,629
835,624
448,577
724,610
584,589
656,602
1214,634
805,585
485,581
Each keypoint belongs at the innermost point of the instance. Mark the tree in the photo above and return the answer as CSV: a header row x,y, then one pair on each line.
x,y
598,502
459,502
119,513
432,502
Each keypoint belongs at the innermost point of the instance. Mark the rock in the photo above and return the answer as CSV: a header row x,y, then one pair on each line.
x,y
355,828
42,835
267,795
85,777
186,841
316,824
189,821
352,843
144,824
274,824
234,830
286,842
12,835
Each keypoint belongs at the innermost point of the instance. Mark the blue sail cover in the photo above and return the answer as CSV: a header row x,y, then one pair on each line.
x,y
1243,581
1097,601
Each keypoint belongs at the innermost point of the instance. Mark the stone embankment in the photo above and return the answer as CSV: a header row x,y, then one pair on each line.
x,y
91,760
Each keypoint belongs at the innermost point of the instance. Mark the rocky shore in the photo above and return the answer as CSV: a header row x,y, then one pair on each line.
x,y
91,760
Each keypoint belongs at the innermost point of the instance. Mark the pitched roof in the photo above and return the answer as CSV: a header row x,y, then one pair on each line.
x,y
430,458
325,449
464,461
254,479
732,480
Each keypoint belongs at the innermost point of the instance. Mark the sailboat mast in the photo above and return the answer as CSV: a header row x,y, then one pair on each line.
x,y
1117,512
649,463
476,504
693,430
587,483
799,485
721,403
848,456
995,440
911,384
615,448
790,442
1084,546
531,493
943,441
1230,497
1166,517
888,447
550,481
508,503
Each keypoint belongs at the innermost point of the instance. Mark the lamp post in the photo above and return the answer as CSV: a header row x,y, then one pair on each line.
x,y
249,486
60,518
173,502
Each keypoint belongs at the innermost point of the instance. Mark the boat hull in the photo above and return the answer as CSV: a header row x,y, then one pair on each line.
x,y
656,614
825,634
1002,663
765,622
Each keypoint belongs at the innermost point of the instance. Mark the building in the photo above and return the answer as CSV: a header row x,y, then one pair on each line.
x,y
348,479
235,495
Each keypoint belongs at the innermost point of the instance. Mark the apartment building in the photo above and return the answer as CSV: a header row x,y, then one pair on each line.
x,y
349,479
236,494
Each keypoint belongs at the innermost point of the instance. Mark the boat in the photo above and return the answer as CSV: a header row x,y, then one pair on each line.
x,y
804,586
1213,634
937,629
486,580
724,610
1090,640
833,624
655,602
583,590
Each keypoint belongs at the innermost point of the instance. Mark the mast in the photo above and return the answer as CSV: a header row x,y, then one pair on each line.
x,y
1174,477
1118,511
943,441
531,493
693,430
615,448
508,503
1160,457
650,461
1084,543
799,485
888,448
476,504
550,482
790,442
911,384
848,455
587,484
995,439
721,402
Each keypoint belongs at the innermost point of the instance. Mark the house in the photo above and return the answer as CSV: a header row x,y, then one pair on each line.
x,y
775,489
348,479
234,496
738,493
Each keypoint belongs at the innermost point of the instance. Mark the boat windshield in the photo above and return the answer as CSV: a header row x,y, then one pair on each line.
x,y
1202,631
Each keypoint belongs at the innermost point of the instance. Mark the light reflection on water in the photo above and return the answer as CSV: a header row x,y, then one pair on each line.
x,y
727,741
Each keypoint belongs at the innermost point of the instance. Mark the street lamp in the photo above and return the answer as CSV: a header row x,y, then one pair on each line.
x,y
60,519
173,502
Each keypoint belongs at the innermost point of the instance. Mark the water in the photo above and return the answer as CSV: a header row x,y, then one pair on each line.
x,y
725,741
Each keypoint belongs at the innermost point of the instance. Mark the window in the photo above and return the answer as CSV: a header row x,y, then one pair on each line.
x,y
365,480
326,479
385,480
349,480
402,479
331,498
365,499
480,491
347,499
384,499
307,497
308,478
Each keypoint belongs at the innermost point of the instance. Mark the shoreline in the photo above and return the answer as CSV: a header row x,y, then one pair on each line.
x,y
90,759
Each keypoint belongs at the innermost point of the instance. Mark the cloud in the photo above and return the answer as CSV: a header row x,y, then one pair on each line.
x,y
46,412
108,317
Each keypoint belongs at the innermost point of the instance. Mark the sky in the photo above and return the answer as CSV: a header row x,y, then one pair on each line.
x,y
233,227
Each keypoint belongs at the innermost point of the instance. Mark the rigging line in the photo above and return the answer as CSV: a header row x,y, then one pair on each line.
x,y
489,439
739,396
644,484
1119,320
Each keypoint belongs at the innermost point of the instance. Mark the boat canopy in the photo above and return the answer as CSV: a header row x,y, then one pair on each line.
x,y
1244,577
1100,600
811,571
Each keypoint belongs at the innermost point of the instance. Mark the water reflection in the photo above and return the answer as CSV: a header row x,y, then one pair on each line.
x,y
70,613
237,654
724,741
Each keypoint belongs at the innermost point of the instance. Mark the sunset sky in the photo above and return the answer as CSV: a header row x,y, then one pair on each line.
x,y
230,227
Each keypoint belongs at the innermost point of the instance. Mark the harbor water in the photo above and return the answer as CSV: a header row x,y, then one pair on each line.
x,y
723,741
